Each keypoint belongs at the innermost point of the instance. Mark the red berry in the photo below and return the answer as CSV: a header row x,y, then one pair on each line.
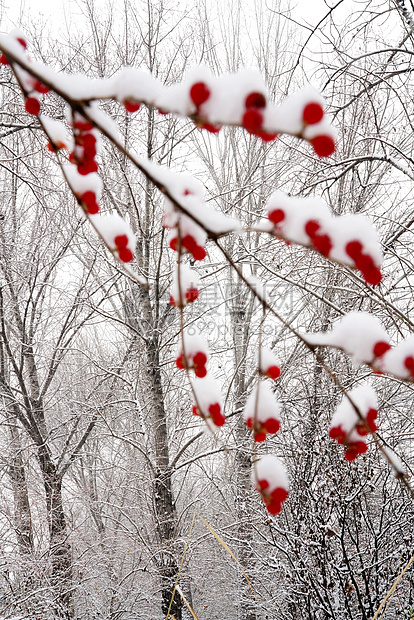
x,y
199,93
311,228
131,106
380,348
121,241
371,417
40,87
322,243
273,372
22,42
312,113
249,422
216,415
191,295
200,358
32,106
262,485
354,449
260,437
89,200
199,253
214,409
87,167
189,243
372,276
3,60
276,216
279,494
252,120
195,410
354,249
255,100
369,422
274,507
87,140
200,371
271,425
179,362
337,433
219,419
323,145
174,244
409,364
125,255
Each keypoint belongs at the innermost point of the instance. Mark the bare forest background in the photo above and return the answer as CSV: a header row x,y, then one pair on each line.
x,y
101,461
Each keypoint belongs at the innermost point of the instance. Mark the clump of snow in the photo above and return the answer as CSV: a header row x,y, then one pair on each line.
x,y
80,183
136,85
57,132
357,333
271,469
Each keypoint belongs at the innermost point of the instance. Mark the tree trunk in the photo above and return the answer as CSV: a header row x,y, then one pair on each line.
x,y
165,511
241,319
22,515
60,550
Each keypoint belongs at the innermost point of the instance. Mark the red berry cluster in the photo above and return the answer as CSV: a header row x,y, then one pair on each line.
x,y
272,499
323,144
363,262
214,413
322,243
84,152
253,117
189,245
89,202
121,245
263,428
197,361
354,447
